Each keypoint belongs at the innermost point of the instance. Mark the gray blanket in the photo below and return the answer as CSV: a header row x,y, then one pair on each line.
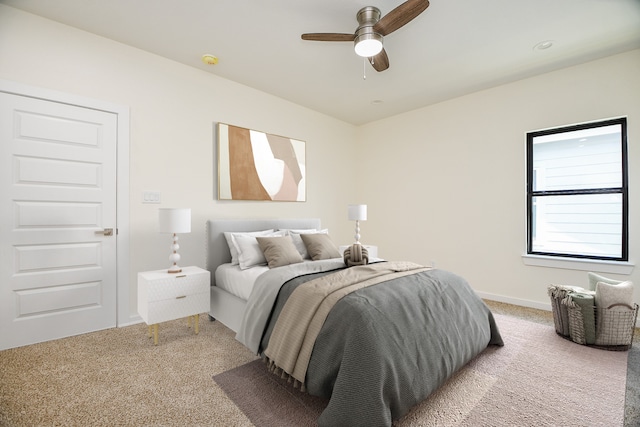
x,y
385,348
264,294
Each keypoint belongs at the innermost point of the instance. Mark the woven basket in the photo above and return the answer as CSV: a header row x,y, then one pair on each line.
x,y
614,326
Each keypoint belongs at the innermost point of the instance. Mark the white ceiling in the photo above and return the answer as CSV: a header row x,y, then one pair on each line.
x,y
453,48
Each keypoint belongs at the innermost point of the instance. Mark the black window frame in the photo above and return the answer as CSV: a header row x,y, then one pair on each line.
x,y
623,190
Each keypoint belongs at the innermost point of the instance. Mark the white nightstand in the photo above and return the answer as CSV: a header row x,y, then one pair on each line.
x,y
372,251
163,296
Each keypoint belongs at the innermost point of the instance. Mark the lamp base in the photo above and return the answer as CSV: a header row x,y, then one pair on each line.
x,y
174,269
175,256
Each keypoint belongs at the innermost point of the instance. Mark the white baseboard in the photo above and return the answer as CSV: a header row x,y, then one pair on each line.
x,y
133,320
515,301
524,303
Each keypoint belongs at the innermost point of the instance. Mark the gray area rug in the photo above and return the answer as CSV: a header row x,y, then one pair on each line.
x,y
632,395
536,379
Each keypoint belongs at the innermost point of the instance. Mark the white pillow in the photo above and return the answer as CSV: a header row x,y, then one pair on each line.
x,y
249,252
608,294
232,247
299,230
299,244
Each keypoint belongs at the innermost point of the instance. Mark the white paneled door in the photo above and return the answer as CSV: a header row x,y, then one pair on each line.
x,y
58,220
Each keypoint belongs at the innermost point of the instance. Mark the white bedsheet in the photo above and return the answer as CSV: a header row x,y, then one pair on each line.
x,y
240,282
236,281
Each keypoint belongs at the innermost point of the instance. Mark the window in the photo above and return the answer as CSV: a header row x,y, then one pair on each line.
x,y
577,194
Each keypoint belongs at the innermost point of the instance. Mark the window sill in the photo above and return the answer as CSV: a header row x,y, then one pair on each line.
x,y
615,267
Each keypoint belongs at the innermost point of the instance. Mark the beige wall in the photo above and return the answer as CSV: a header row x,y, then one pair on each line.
x,y
444,183
173,109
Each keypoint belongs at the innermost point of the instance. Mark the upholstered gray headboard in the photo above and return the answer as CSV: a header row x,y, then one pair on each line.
x,y
217,248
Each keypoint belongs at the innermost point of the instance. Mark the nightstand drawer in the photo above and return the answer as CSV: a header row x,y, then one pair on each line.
x,y
178,307
163,296
160,286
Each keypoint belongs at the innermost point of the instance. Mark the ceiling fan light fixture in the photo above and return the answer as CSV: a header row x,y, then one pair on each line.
x,y
368,44
368,37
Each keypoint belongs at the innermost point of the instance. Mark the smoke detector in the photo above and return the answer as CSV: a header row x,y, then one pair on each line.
x,y
209,59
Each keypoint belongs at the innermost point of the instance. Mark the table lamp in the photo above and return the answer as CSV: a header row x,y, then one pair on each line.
x,y
357,213
174,221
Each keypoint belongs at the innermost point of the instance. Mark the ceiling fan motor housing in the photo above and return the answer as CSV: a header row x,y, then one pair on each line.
x,y
368,15
366,38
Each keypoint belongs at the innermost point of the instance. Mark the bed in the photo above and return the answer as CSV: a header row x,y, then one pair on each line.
x,y
374,339
225,306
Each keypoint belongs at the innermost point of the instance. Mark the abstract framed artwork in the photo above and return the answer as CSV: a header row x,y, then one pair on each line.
x,y
254,165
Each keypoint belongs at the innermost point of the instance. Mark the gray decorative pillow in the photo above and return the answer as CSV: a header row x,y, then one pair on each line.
x,y
297,240
279,251
595,278
249,253
320,246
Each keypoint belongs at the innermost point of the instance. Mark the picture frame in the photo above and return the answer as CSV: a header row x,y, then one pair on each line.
x,y
254,165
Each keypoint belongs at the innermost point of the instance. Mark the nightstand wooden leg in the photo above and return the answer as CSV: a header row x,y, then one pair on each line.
x,y
189,322
155,334
149,333
197,320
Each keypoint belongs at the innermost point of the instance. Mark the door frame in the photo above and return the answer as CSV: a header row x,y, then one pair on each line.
x,y
123,315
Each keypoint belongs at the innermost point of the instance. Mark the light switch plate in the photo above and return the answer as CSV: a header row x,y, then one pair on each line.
x,y
151,197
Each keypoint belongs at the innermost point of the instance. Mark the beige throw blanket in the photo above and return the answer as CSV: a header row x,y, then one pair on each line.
x,y
308,306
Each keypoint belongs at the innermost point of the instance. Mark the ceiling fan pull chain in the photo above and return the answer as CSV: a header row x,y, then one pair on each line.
x,y
364,68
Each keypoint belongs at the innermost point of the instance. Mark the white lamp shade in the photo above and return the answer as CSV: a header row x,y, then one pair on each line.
x,y
174,220
357,212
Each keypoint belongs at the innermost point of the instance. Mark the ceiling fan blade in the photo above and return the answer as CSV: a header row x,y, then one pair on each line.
x,y
400,16
380,62
329,37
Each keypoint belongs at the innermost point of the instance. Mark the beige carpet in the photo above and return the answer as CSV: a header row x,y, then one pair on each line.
x,y
536,379
118,378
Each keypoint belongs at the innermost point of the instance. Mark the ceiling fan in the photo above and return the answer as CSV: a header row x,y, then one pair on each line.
x,y
371,30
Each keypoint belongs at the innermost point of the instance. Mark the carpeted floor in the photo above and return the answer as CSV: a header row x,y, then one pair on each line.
x,y
528,382
632,392
118,378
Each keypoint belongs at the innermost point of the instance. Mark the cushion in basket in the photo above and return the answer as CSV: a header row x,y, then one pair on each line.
x,y
608,294
595,278
615,325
